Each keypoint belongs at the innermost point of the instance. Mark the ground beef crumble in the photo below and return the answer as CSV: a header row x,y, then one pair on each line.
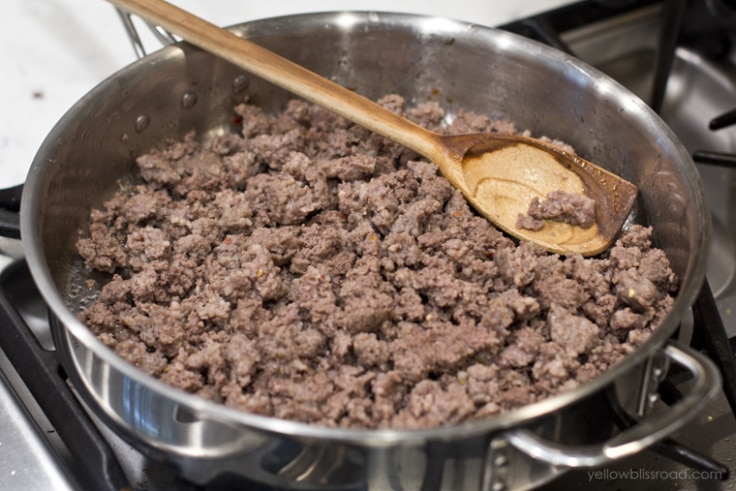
x,y
559,206
307,269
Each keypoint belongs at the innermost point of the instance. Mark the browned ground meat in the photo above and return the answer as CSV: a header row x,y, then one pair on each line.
x,y
309,270
561,207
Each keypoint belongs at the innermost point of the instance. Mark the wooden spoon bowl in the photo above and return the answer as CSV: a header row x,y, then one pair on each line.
x,y
498,174
501,174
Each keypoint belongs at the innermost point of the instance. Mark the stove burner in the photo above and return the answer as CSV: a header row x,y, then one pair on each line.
x,y
722,268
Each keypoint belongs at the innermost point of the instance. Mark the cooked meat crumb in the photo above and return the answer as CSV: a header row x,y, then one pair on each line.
x,y
307,269
559,206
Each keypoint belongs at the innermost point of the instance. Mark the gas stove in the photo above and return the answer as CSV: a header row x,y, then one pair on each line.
x,y
680,57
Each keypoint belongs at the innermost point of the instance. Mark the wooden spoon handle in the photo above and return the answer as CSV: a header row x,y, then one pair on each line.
x,y
284,73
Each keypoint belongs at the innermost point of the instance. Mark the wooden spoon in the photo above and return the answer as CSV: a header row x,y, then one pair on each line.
x,y
498,174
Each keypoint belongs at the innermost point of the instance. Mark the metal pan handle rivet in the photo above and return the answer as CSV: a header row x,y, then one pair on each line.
x,y
240,84
142,122
189,100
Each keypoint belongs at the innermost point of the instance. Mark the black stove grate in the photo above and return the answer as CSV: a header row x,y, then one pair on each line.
x,y
44,377
723,121
718,158
673,13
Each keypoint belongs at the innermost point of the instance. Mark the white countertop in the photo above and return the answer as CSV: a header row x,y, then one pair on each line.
x,y
54,51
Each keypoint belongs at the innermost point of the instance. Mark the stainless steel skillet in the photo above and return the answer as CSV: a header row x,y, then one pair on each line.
x,y
179,88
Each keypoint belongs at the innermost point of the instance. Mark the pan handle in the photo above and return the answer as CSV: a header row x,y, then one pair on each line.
x,y
643,434
162,35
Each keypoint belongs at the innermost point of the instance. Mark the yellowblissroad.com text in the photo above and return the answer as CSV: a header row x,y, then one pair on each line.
x,y
633,474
